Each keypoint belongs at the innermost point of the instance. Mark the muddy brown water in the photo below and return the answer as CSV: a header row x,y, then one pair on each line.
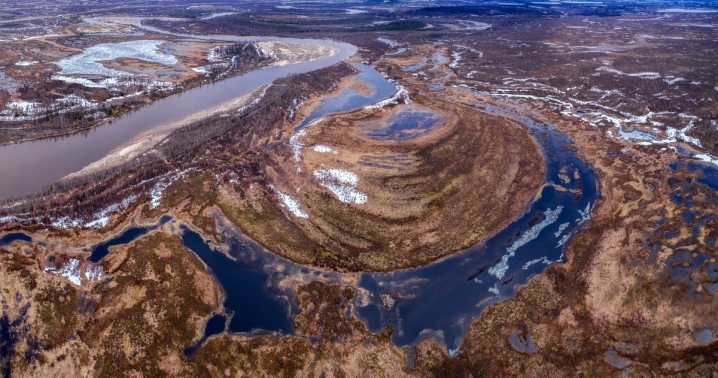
x,y
29,167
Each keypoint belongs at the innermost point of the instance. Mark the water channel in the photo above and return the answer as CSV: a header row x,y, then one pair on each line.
x,y
52,159
438,300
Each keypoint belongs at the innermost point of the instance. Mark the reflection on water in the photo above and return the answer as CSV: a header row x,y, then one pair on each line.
x,y
411,122
445,296
349,99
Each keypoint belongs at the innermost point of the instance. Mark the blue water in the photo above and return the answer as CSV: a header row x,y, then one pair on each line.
x,y
408,124
9,238
710,172
215,325
349,99
440,298
101,250
445,296
251,304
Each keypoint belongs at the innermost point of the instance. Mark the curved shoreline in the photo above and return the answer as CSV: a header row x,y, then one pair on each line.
x,y
51,160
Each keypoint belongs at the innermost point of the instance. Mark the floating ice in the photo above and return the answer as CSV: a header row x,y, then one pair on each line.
x,y
88,63
561,228
499,270
585,214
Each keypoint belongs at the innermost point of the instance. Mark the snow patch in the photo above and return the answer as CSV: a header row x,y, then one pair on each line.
x,y
707,158
542,260
88,62
25,63
94,272
400,95
342,183
71,271
290,203
324,149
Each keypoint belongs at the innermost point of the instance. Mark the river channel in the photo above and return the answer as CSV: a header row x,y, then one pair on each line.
x,y
438,300
29,167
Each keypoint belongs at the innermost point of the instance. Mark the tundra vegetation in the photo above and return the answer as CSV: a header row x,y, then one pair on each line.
x,y
632,85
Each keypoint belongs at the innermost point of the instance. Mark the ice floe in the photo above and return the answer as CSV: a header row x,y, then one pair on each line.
x,y
542,260
88,62
585,213
551,216
561,229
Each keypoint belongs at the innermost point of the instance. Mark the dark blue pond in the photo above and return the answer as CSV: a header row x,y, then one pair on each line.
x,y
248,299
9,238
101,250
710,172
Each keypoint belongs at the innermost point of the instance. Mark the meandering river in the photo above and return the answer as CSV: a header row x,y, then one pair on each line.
x,y
438,300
